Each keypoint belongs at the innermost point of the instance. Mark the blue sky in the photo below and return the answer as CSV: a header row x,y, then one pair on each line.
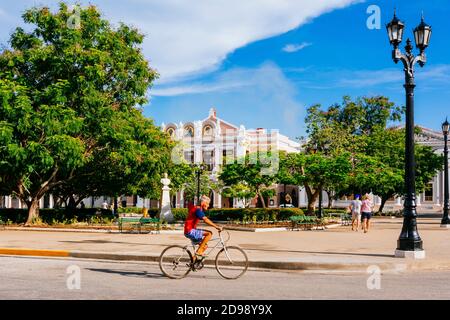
x,y
262,62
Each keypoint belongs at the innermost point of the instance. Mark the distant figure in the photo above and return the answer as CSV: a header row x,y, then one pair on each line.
x,y
355,208
105,205
366,213
82,206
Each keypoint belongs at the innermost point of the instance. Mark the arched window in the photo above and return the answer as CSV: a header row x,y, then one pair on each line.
x,y
208,131
189,132
171,132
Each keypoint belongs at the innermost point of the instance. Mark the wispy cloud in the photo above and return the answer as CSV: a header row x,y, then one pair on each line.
x,y
241,93
431,76
292,47
194,37
230,80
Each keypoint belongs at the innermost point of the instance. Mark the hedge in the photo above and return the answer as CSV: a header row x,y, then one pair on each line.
x,y
180,214
50,215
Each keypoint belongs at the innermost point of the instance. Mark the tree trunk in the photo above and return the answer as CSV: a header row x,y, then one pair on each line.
x,y
261,198
72,203
383,202
312,198
330,199
33,211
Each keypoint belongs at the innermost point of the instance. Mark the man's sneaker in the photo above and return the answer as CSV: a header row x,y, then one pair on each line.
x,y
199,257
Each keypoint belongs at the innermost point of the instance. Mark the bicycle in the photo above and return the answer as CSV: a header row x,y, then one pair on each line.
x,y
177,261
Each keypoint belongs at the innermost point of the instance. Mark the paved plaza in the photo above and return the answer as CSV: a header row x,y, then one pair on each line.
x,y
332,249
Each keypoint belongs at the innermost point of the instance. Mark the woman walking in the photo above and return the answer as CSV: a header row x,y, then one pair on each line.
x,y
366,213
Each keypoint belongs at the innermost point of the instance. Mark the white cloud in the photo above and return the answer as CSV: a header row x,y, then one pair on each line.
x,y
185,38
436,74
191,37
230,80
263,96
290,48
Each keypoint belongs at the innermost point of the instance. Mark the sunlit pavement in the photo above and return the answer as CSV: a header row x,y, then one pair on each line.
x,y
53,278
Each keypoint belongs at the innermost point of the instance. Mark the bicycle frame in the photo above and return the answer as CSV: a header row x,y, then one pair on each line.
x,y
219,243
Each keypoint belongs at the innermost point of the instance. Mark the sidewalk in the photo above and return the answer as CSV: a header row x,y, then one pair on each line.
x,y
332,249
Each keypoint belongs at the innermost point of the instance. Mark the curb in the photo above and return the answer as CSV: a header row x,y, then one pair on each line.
x,y
34,252
401,265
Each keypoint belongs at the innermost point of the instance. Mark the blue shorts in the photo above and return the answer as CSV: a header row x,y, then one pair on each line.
x,y
195,235
366,215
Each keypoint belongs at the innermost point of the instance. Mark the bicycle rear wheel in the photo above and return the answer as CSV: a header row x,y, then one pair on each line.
x,y
175,262
231,262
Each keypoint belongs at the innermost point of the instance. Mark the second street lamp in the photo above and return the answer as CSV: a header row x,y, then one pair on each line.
x,y
445,219
199,168
409,243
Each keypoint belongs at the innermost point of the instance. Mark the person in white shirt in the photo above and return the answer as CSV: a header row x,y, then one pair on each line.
x,y
355,208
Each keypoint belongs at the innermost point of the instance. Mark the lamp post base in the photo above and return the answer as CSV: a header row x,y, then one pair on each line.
x,y
410,254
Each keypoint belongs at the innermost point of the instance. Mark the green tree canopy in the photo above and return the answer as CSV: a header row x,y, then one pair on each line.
x,y
255,170
68,109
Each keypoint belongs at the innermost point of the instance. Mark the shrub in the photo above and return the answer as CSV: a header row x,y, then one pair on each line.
x,y
50,216
253,214
180,214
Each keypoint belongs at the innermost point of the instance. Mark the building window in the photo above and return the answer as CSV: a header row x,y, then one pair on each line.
x,y
189,156
227,156
171,132
208,159
429,192
208,131
189,132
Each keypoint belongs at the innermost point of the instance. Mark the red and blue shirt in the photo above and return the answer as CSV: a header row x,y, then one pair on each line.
x,y
194,216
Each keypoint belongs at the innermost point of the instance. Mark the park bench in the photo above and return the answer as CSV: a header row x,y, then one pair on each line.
x,y
137,222
144,221
133,222
346,219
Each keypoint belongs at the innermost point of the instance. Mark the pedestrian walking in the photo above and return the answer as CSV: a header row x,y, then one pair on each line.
x,y
366,213
355,209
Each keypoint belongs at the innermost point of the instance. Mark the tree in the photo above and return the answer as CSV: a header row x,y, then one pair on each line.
x,y
254,171
68,108
385,174
240,191
317,172
359,128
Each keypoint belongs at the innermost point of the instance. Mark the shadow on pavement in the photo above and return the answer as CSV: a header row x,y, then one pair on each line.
x,y
144,274
135,274
322,252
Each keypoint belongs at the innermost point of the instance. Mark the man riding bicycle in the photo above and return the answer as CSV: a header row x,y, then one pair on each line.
x,y
197,213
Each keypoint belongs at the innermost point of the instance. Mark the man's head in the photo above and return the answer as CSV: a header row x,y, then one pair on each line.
x,y
204,202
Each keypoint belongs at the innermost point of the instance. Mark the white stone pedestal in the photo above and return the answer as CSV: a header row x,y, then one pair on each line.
x,y
166,212
410,254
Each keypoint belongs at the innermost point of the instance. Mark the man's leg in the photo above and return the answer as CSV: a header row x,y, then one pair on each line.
x,y
206,237
364,224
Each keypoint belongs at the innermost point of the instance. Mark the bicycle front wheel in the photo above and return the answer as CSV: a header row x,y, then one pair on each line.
x,y
231,262
175,262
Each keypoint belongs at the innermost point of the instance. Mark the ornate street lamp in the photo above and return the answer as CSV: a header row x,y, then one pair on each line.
x,y
445,220
199,168
409,243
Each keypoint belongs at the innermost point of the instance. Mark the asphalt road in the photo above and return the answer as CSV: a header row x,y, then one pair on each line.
x,y
50,278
